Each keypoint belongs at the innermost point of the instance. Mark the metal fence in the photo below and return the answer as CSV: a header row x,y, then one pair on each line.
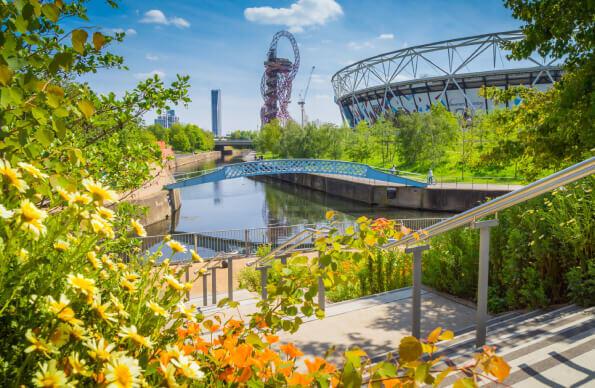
x,y
245,242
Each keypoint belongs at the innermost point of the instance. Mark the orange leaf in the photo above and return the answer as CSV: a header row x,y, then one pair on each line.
x,y
499,368
433,337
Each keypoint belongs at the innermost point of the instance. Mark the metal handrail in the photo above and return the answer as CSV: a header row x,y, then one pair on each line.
x,y
288,245
549,183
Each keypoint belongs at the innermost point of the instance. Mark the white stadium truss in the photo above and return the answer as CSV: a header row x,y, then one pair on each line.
x,y
448,72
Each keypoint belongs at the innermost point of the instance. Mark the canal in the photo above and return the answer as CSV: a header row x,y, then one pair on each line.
x,y
245,203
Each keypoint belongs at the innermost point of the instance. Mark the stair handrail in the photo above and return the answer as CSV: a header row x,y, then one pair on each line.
x,y
525,193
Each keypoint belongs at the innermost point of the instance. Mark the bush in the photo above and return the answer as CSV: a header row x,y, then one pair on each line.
x,y
249,279
541,253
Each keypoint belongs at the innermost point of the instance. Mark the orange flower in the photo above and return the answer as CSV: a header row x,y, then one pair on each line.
x,y
300,379
291,350
381,224
246,373
240,357
269,355
271,339
319,365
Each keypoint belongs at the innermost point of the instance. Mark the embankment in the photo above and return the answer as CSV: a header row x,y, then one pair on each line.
x,y
446,197
185,159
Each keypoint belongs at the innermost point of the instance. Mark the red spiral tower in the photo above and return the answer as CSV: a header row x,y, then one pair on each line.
x,y
277,80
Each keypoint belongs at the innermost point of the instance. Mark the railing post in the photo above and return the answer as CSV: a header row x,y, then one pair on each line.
x,y
195,242
205,300
230,278
263,281
246,242
321,291
214,285
482,279
416,291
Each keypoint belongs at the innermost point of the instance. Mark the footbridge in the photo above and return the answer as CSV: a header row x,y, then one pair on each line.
x,y
290,166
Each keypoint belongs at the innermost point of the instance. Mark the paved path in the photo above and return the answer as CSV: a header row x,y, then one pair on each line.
x,y
376,323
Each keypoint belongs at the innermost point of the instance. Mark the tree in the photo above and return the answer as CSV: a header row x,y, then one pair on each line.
x,y
359,148
160,132
268,137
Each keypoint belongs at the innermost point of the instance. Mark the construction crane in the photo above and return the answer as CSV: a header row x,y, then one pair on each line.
x,y
302,100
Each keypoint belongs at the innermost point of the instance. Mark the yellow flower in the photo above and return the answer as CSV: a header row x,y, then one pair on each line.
x,y
138,228
61,335
101,226
77,332
61,245
13,176
100,349
176,247
188,367
32,170
119,306
62,310
123,372
195,256
158,310
4,213
131,276
132,333
174,283
105,213
99,193
77,198
187,312
78,366
49,376
32,218
64,194
104,275
92,257
86,286
23,255
101,310
37,344
128,285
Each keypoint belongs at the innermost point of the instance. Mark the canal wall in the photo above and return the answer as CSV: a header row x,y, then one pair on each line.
x,y
185,159
161,204
448,198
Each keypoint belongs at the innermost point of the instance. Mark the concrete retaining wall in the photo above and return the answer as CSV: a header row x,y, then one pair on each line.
x,y
182,160
432,198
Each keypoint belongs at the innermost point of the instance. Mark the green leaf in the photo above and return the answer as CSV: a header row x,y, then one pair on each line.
x,y
45,136
59,126
254,339
442,375
40,115
222,302
5,75
98,40
86,108
421,372
79,38
409,349
466,382
51,12
63,60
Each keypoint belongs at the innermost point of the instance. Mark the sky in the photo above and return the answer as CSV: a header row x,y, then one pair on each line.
x,y
222,44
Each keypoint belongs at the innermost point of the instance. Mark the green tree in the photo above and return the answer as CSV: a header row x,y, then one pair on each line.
x,y
359,147
268,137
160,132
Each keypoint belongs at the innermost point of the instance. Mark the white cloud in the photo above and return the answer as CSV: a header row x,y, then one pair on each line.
x,y
150,74
128,31
358,46
156,16
299,15
151,57
386,36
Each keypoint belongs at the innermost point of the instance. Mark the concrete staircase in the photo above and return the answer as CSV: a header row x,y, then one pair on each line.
x,y
549,348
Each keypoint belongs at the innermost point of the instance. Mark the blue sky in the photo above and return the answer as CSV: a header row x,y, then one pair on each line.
x,y
222,44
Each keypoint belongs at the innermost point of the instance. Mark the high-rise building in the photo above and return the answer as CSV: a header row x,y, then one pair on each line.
x,y
216,112
168,119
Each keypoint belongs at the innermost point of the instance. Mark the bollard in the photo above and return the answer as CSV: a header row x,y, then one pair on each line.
x,y
205,301
416,291
188,281
482,279
263,281
214,285
230,278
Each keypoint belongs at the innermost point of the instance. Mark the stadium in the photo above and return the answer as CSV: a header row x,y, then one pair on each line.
x,y
449,72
